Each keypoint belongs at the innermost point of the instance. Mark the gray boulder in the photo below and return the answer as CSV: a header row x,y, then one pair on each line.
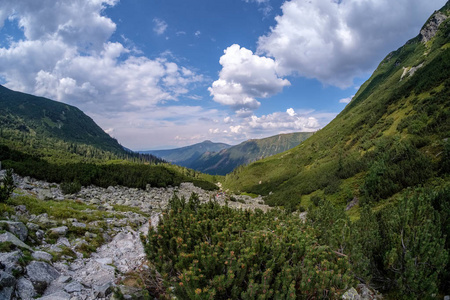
x,y
41,274
61,231
11,261
44,194
6,279
61,295
9,237
74,286
351,294
25,289
17,228
42,255
7,283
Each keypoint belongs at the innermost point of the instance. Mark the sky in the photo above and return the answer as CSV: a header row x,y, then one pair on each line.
x,y
158,74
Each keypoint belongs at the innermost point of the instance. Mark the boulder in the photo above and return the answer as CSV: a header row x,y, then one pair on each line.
x,y
17,228
7,283
9,237
41,274
101,291
61,295
11,261
6,279
41,255
61,231
74,286
44,194
25,289
351,294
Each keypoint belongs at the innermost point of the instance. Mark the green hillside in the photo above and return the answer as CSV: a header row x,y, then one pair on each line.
x,y
225,161
39,123
391,136
57,142
185,156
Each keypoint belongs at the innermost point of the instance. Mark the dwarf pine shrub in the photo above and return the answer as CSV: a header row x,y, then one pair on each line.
x,y
208,251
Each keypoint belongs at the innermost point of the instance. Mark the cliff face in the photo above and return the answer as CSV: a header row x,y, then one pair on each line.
x,y
430,29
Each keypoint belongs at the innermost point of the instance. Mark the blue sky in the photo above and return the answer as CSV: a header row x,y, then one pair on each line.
x,y
169,73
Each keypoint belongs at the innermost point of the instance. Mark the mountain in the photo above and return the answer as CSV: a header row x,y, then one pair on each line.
x,y
39,123
56,142
225,161
186,155
391,136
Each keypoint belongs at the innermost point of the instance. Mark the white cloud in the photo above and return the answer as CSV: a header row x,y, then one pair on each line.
x,y
346,100
245,77
264,6
66,56
197,33
160,26
336,41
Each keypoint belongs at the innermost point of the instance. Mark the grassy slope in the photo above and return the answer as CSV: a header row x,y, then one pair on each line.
x,y
385,110
28,115
227,160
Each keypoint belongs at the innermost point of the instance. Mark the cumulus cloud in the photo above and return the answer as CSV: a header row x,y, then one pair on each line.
x,y
245,77
336,41
160,26
66,55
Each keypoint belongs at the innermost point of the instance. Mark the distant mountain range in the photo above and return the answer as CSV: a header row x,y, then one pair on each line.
x,y
186,156
220,159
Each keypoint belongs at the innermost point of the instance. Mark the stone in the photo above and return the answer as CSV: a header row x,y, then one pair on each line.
x,y
44,194
6,293
11,261
78,225
61,231
6,280
64,279
17,228
40,234
42,255
351,294
446,297
60,295
25,289
32,226
9,237
104,290
74,286
41,274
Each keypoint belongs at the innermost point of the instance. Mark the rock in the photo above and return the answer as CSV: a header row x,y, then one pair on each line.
x,y
17,228
6,279
90,235
25,289
104,260
44,194
41,274
21,210
446,297
104,290
40,234
430,29
10,261
41,255
351,294
78,225
61,295
64,279
6,293
61,231
74,286
9,237
32,226
352,203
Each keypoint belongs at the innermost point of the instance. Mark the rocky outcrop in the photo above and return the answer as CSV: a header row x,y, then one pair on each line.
x,y
431,27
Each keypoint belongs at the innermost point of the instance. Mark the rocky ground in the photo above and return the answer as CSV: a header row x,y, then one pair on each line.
x,y
51,256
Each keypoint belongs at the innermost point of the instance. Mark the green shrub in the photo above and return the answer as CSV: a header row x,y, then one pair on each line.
x,y
70,187
207,251
7,186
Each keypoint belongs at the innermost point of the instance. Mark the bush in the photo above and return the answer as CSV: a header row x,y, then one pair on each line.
x,y
7,186
70,187
208,251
